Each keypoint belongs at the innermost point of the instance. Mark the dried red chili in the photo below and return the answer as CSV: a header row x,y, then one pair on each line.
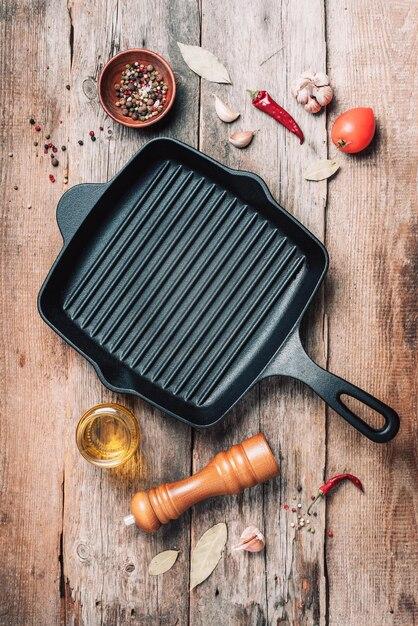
x,y
333,482
262,100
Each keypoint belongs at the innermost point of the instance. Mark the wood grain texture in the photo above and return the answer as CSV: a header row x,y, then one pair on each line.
x,y
65,556
33,361
371,302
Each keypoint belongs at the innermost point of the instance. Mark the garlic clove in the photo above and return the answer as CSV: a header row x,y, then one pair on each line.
x,y
224,112
303,96
323,95
320,79
241,138
251,540
312,106
300,84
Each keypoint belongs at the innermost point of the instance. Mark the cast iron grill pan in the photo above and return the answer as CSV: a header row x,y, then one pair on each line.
x,y
184,282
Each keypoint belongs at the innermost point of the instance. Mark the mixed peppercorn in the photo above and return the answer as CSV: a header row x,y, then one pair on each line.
x,y
141,91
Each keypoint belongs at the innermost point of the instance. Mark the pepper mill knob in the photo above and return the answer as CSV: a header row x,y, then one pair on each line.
x,y
229,472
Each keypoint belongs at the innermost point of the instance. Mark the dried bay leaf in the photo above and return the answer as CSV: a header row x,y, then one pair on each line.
x,y
207,553
319,170
204,63
162,562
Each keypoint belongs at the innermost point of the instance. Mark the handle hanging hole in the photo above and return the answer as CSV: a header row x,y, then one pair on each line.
x,y
373,418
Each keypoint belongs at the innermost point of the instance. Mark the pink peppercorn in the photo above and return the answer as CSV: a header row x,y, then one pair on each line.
x,y
91,133
37,128
52,178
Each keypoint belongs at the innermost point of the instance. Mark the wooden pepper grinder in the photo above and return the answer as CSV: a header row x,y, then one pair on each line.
x,y
244,465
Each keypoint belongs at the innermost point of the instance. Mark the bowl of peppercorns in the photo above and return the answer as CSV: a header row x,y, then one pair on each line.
x,y
137,87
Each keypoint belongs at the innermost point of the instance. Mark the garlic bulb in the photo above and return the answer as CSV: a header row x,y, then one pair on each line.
x,y
313,91
251,540
241,138
224,112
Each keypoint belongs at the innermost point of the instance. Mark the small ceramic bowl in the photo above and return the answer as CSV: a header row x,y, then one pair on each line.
x,y
111,74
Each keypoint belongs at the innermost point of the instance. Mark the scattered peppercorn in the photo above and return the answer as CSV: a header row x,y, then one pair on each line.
x,y
35,143
54,148
91,133
68,87
299,488
38,128
31,121
47,136
15,187
63,148
80,142
55,162
10,154
294,510
101,128
52,178
93,138
313,497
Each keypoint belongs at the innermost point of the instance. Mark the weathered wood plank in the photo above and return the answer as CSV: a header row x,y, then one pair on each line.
x,y
245,588
292,416
33,80
105,564
371,297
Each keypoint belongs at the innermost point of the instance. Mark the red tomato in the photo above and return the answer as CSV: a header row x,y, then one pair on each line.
x,y
353,130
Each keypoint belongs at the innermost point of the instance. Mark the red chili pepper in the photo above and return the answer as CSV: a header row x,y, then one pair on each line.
x,y
262,100
333,482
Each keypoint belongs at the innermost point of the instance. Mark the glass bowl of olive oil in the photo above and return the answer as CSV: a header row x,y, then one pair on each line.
x,y
107,435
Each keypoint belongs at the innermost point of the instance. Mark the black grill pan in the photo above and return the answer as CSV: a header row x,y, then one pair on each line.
x,y
184,282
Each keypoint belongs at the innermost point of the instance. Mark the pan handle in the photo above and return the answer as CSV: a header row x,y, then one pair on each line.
x,y
293,361
74,206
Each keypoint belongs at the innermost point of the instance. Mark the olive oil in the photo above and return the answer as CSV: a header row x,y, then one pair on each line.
x,y
107,435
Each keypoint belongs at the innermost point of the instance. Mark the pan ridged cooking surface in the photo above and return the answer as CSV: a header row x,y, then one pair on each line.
x,y
184,283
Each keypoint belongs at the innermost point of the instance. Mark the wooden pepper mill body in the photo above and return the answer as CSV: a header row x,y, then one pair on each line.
x,y
243,465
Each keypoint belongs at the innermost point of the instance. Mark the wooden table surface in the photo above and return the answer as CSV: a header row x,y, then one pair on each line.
x,y
65,555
